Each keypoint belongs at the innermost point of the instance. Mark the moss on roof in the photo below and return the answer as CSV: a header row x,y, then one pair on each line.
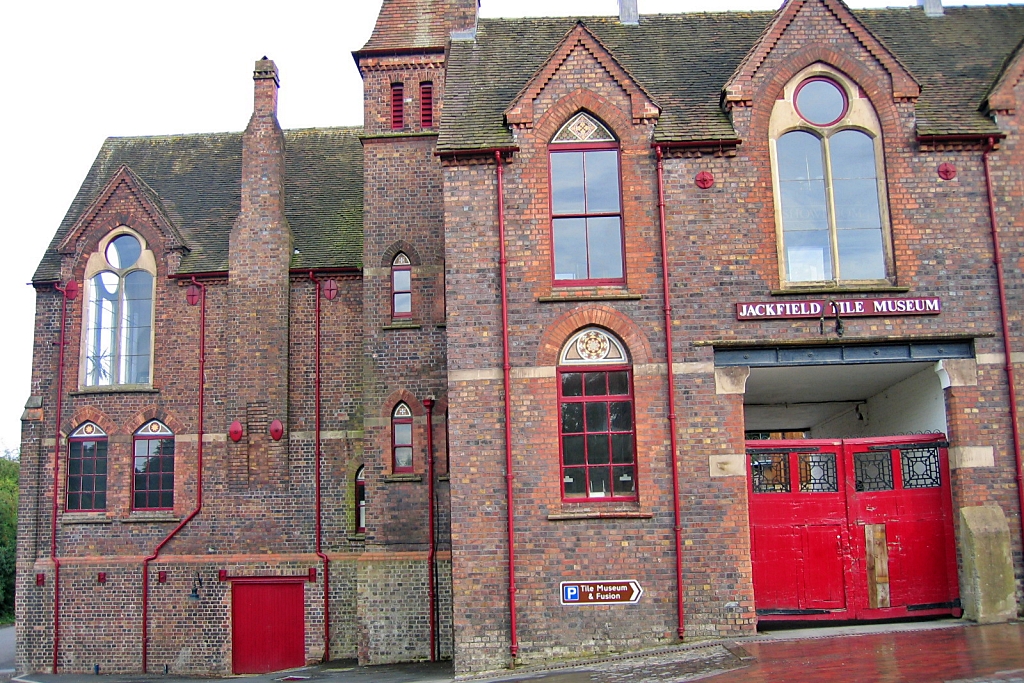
x,y
684,60
196,181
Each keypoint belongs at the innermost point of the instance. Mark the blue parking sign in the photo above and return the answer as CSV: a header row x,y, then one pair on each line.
x,y
570,593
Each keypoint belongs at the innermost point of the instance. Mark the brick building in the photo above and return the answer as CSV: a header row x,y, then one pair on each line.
x,y
705,317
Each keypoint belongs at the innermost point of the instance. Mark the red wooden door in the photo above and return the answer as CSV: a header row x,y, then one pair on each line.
x,y
798,525
899,494
267,627
851,529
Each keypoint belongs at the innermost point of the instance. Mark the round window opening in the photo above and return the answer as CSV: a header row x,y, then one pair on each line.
x,y
123,251
820,101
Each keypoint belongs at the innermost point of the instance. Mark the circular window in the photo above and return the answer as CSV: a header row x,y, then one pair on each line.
x,y
820,101
123,251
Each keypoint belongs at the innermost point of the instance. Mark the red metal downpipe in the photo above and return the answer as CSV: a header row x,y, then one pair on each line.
x,y
319,525
506,368
199,477
68,293
1007,349
428,403
681,622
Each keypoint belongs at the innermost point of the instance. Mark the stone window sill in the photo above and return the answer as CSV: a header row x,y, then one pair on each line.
x,y
116,389
397,478
589,295
402,326
153,516
599,514
85,518
357,538
840,289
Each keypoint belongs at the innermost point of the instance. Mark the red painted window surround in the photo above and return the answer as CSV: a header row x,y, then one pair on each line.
x,y
426,105
401,439
87,474
153,478
586,214
397,106
360,499
597,434
401,291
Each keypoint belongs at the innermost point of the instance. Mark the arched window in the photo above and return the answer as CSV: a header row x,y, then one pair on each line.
x,y
87,469
401,438
586,204
401,286
360,500
119,312
596,427
829,182
153,477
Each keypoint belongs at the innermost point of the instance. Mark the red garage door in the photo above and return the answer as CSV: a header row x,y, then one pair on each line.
x,y
853,529
267,627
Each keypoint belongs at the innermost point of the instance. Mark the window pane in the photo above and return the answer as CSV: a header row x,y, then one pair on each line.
x,y
602,174
821,102
140,500
808,256
103,299
597,417
597,449
572,418
572,384
570,248
854,180
136,322
596,383
573,479
622,448
600,486
403,434
123,251
403,458
572,450
623,481
860,255
401,280
618,383
567,183
622,416
604,247
403,303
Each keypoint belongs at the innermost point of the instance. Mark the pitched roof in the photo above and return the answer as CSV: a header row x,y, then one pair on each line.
x,y
418,24
684,60
196,182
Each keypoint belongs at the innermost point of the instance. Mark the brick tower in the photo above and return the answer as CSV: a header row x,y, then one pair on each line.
x,y
403,69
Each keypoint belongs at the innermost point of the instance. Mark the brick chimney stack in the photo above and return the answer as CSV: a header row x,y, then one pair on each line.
x,y
260,252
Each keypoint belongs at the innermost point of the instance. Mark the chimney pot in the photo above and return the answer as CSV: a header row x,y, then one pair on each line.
x,y
628,13
932,8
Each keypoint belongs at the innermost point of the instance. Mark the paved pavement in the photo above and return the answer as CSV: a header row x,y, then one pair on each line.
x,y
948,651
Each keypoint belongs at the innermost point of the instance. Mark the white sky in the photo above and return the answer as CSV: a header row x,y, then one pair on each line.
x,y
78,72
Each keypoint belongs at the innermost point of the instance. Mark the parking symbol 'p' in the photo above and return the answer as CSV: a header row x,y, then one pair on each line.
x,y
570,593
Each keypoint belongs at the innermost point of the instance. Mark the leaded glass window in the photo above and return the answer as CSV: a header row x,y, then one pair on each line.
x,y
87,469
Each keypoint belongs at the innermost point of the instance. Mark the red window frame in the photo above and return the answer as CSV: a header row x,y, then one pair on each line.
x,y
427,105
396,291
613,468
397,106
360,500
155,488
584,147
87,475
398,442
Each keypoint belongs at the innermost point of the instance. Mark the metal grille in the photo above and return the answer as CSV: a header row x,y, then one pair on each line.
x,y
921,468
769,472
873,470
818,473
